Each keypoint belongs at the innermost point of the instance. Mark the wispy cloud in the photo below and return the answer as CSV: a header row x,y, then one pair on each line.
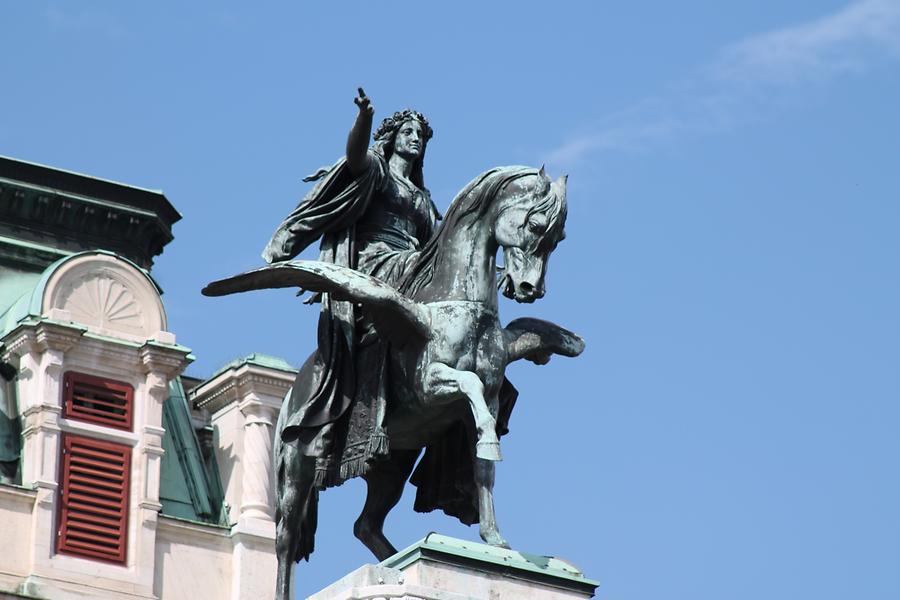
x,y
747,75
85,21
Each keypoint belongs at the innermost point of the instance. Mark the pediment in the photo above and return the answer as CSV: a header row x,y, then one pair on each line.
x,y
106,294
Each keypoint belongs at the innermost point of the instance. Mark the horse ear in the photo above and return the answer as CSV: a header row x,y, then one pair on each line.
x,y
560,185
542,173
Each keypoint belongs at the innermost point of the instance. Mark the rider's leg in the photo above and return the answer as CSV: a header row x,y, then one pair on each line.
x,y
445,384
385,481
484,483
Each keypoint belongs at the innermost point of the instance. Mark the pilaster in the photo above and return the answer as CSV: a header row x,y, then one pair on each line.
x,y
39,351
257,499
159,364
243,401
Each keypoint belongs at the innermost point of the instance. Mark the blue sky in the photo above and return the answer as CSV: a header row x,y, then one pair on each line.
x,y
733,429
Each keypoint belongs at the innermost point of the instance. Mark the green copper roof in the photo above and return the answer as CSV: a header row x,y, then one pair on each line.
x,y
15,284
189,484
30,256
259,360
441,548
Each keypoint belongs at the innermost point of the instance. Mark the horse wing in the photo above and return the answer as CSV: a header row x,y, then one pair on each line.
x,y
394,315
536,340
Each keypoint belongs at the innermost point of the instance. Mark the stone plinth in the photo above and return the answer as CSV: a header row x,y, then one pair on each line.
x,y
445,568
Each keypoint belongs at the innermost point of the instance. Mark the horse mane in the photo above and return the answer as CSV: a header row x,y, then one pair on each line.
x,y
475,198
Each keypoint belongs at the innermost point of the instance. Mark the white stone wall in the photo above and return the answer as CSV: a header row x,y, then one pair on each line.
x,y
101,316
192,561
16,508
228,441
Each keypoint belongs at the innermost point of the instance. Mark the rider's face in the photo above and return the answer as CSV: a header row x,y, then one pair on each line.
x,y
409,142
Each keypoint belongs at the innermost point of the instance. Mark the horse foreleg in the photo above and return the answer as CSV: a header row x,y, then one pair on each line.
x,y
445,384
487,519
385,481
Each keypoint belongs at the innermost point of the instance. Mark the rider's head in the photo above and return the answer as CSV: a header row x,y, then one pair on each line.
x,y
414,132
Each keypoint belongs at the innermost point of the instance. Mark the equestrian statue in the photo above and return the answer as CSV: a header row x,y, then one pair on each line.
x,y
411,353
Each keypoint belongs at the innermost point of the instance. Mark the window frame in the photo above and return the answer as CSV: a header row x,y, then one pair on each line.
x,y
63,542
71,379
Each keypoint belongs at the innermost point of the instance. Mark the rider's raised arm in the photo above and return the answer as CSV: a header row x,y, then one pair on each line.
x,y
358,140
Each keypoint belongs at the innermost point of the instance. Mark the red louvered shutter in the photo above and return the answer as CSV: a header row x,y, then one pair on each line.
x,y
98,400
93,516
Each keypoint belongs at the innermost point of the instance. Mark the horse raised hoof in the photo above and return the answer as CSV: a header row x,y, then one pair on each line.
x,y
488,450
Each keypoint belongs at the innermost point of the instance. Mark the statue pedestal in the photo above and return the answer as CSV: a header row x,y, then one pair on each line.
x,y
445,568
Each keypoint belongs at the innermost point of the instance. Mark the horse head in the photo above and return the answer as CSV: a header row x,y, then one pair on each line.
x,y
529,223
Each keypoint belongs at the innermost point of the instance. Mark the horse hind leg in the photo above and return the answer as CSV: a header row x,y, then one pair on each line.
x,y
445,384
384,481
296,514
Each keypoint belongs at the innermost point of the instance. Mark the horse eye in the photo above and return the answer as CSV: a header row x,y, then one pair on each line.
x,y
536,225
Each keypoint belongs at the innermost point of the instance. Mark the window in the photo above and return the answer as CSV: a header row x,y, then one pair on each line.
x,y
93,515
97,400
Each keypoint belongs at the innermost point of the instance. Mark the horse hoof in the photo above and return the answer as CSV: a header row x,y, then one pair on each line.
x,y
488,451
496,540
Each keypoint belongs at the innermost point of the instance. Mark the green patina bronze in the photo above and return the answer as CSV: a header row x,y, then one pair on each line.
x,y
411,353
487,558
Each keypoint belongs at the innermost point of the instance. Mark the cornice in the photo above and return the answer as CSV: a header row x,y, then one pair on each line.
x,y
40,335
167,360
74,222
235,385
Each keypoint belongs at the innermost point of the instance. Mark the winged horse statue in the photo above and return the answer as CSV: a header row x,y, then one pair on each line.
x,y
448,349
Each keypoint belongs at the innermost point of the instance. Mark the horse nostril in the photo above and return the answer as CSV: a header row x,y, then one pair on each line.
x,y
526,288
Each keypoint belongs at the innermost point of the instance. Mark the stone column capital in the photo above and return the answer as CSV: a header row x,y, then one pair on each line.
x,y
167,361
257,410
38,337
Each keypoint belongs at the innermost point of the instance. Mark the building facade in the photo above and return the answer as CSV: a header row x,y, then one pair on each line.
x,y
120,477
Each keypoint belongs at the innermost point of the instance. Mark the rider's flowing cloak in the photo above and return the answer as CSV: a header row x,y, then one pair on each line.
x,y
335,408
318,409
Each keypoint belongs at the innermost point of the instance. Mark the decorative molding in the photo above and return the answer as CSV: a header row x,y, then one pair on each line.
x,y
18,494
265,385
106,294
99,432
39,336
191,530
80,213
164,361
256,411
152,507
103,301
255,531
152,439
